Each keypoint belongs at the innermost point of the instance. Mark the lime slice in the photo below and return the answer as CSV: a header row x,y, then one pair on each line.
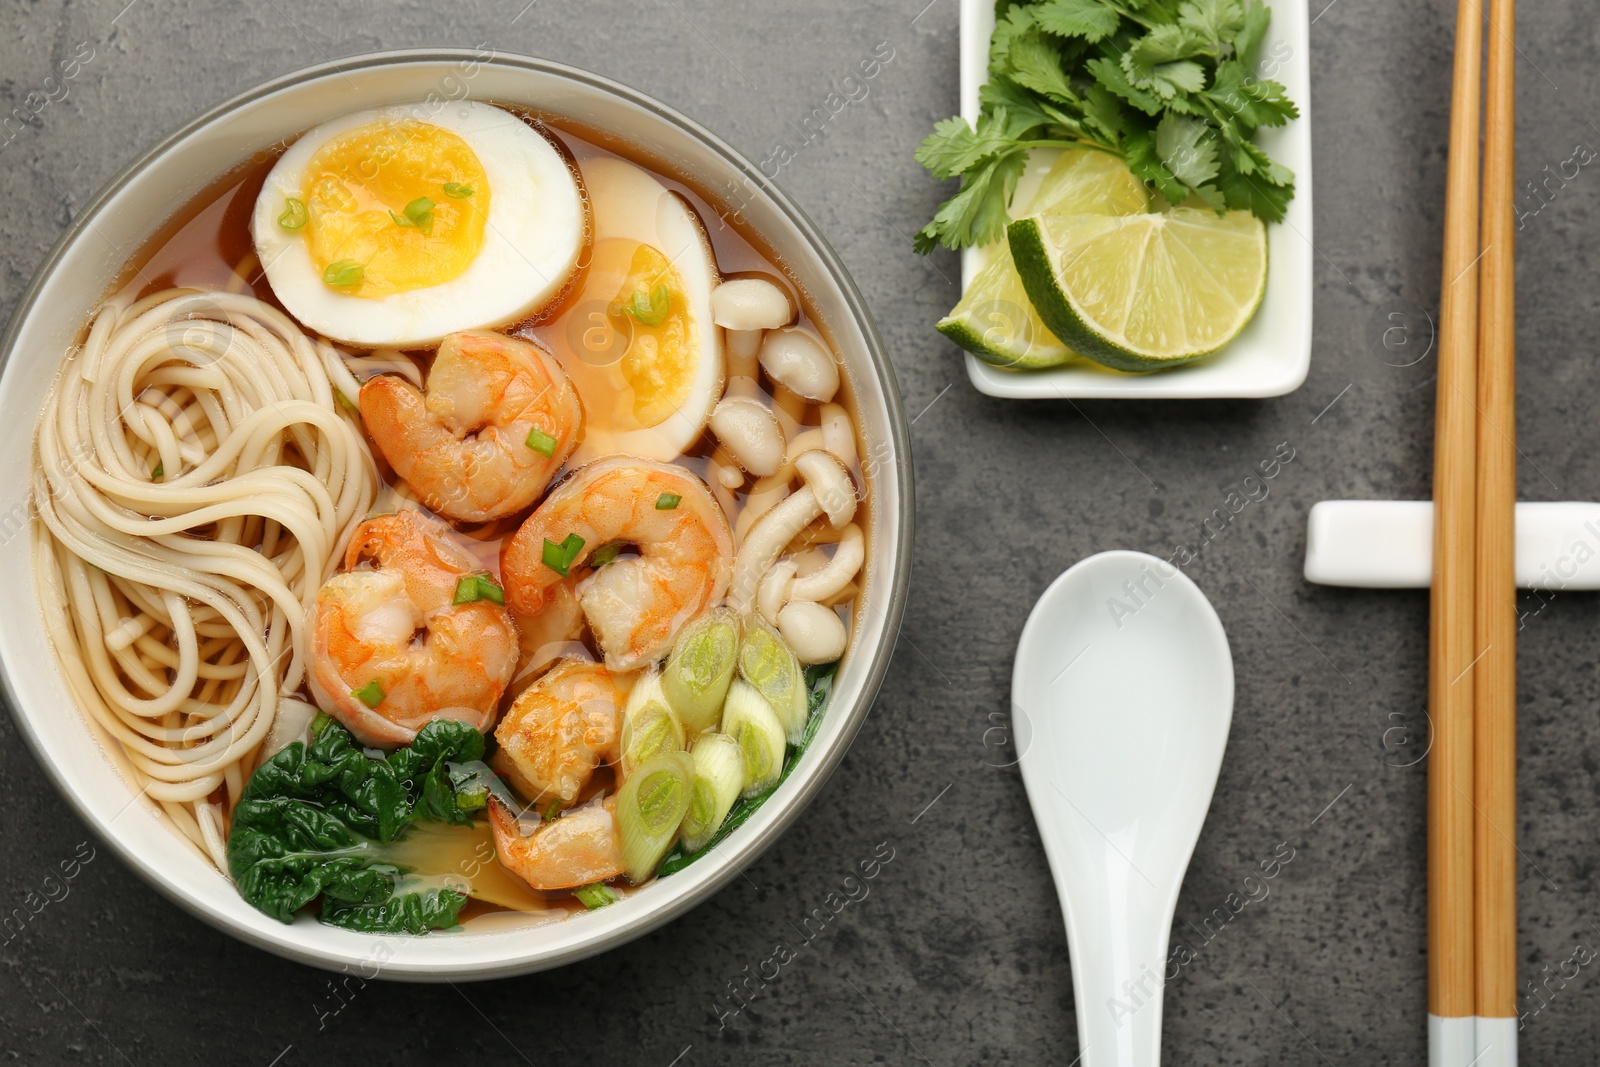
x,y
1086,182
995,320
1143,292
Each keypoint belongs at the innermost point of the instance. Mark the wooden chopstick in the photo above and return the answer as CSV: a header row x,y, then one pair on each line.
x,y
1451,993
1495,675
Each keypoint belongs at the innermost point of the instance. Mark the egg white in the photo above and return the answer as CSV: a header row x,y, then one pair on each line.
x,y
532,237
629,203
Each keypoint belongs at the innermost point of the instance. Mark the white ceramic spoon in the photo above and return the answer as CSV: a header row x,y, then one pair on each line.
x,y
1122,695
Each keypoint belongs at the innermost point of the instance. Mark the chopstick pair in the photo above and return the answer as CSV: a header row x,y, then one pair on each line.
x,y
1472,920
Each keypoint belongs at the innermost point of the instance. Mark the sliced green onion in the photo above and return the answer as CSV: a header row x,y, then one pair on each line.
x,y
475,587
542,442
420,212
551,811
650,807
652,309
161,468
668,501
597,895
750,720
718,780
605,554
457,191
559,557
700,667
347,404
766,662
320,723
294,214
370,694
649,728
473,783
344,274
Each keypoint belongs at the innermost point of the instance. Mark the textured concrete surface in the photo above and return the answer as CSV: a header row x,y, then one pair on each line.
x,y
957,954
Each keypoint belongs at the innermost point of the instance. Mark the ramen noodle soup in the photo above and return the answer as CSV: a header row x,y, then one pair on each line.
x,y
442,518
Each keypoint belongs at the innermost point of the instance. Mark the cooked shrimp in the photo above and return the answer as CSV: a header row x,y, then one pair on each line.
x,y
550,635
579,848
559,730
499,419
635,605
369,668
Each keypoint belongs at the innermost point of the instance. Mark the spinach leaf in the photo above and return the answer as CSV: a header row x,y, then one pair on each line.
x,y
314,821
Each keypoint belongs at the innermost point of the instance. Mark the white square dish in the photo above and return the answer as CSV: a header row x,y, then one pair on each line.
x,y
1273,354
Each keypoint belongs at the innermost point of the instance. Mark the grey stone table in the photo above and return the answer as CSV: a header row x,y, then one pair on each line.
x,y
957,954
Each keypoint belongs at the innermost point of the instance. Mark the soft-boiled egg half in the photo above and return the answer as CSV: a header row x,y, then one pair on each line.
x,y
639,342
399,225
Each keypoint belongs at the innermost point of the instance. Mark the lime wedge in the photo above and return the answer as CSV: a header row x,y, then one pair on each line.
x,y
1086,182
995,322
994,319
1143,292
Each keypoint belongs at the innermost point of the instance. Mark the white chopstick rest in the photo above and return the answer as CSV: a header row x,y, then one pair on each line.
x,y
1388,544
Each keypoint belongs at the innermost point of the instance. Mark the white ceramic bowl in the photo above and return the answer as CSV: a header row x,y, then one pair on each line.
x,y
88,769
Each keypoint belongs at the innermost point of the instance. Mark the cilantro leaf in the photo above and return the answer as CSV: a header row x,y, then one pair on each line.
x,y
1161,62
1170,85
1010,111
1250,102
1102,113
1109,74
1014,23
1036,64
1187,149
1092,20
954,147
1252,31
977,214
1246,193
1217,21
1145,161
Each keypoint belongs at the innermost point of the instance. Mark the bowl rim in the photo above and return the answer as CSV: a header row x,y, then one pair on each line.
x,y
898,528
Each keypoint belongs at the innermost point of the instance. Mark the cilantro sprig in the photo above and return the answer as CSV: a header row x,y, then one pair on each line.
x,y
1168,85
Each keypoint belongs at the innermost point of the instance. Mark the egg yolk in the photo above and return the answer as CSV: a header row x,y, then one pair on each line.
x,y
659,364
393,207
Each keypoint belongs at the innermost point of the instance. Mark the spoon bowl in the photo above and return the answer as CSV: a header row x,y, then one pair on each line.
x,y
1122,695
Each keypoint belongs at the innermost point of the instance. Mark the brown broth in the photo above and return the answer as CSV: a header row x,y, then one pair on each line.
x,y
208,245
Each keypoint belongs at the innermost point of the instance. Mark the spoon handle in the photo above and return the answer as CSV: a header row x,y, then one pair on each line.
x,y
1117,931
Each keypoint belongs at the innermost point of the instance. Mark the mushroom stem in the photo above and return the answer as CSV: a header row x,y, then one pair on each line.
x,y
743,347
765,541
773,593
846,562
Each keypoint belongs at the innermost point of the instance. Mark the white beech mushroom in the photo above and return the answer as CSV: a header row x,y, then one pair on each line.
x,y
835,435
827,490
750,304
750,432
827,582
814,633
745,307
773,592
742,348
838,435
836,493
797,359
